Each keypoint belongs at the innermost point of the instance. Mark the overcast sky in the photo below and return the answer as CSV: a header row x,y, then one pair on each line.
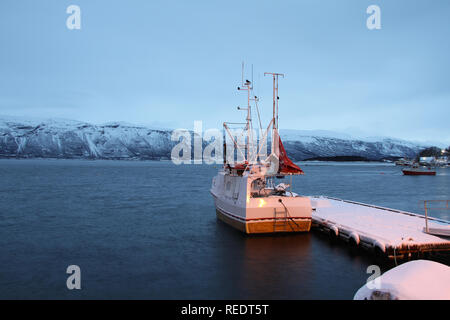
x,y
173,62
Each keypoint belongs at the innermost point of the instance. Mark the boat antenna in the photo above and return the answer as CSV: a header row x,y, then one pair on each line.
x,y
242,81
256,99
257,110
253,84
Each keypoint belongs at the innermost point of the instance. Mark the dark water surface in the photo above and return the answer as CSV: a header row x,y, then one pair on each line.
x,y
148,230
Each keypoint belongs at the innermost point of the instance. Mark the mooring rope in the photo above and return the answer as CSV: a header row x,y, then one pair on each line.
x,y
289,216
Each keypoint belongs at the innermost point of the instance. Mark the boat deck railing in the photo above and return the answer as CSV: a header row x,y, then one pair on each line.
x,y
430,205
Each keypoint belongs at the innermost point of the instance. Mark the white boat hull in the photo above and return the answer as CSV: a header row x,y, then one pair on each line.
x,y
253,215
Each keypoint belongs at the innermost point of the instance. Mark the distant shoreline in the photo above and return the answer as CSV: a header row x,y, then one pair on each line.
x,y
345,159
312,160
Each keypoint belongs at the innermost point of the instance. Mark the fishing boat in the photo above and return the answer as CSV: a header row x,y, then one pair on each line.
x,y
246,193
419,171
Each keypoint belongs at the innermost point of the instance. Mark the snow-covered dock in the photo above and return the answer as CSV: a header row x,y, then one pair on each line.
x,y
386,232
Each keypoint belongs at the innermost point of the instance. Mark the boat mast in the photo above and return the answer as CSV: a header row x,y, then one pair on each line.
x,y
275,109
247,86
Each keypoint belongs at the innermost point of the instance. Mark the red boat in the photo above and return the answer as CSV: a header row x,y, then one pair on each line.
x,y
419,171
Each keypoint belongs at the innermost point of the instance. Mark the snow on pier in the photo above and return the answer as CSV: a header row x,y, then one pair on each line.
x,y
386,232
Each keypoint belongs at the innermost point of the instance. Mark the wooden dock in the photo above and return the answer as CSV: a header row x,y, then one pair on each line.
x,y
386,232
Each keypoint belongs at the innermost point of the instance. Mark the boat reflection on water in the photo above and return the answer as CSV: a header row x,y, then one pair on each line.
x,y
287,266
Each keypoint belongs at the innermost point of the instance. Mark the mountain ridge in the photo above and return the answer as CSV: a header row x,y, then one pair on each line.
x,y
22,137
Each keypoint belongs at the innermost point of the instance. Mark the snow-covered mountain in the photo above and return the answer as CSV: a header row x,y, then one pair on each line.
x,y
312,144
35,138
73,139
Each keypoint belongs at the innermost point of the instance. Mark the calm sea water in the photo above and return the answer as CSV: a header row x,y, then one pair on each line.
x,y
148,230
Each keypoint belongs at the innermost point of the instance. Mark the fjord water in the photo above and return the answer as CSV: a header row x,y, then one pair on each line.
x,y
147,230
